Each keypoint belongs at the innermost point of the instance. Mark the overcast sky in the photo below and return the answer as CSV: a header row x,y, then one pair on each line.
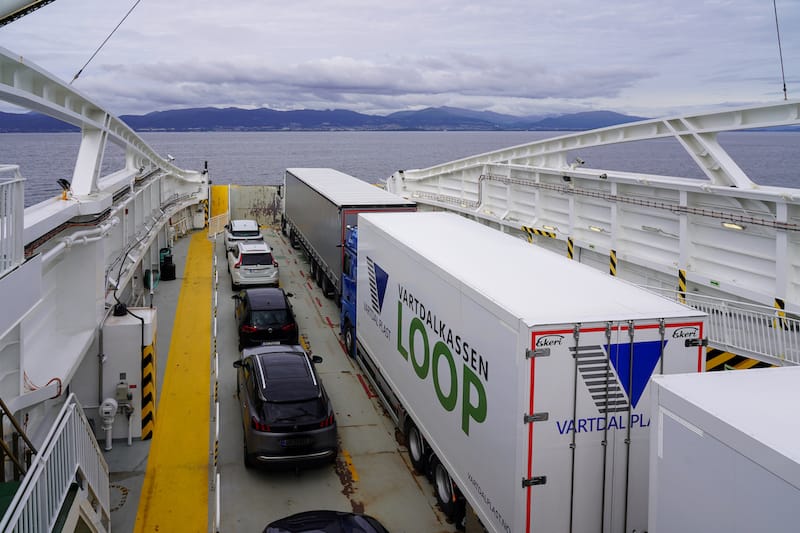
x,y
521,57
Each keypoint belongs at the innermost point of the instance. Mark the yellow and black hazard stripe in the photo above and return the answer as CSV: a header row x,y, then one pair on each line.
x,y
530,232
779,322
721,360
682,285
612,263
570,248
148,391
204,203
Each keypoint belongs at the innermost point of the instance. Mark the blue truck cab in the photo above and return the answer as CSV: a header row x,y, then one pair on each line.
x,y
348,314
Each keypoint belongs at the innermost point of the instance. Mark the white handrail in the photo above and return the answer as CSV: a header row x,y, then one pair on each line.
x,y
11,219
69,454
751,330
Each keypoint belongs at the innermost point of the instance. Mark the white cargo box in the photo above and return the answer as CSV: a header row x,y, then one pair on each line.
x,y
527,373
725,452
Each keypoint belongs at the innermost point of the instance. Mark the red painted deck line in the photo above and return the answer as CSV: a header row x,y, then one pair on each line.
x,y
318,302
366,386
328,320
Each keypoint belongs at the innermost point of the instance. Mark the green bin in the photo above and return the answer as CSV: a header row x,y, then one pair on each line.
x,y
165,256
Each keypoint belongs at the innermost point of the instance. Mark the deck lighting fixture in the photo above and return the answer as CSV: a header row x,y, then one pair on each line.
x,y
577,163
598,229
733,225
548,227
66,186
658,230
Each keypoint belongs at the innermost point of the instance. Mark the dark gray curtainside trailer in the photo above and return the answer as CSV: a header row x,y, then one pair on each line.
x,y
318,205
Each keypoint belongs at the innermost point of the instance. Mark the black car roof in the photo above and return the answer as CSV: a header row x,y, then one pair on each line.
x,y
266,298
273,348
287,375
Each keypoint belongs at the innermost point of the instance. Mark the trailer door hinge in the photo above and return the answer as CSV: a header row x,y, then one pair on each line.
x,y
537,480
539,352
696,342
536,417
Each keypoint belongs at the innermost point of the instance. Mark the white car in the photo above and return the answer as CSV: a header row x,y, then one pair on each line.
x,y
241,230
251,263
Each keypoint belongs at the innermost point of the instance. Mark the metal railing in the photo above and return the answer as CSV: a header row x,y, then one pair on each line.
x,y
217,224
12,206
750,330
68,455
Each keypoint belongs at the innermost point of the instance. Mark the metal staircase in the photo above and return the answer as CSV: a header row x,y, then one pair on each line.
x,y
66,482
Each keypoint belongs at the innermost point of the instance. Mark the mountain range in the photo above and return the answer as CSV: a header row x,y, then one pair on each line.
x,y
237,119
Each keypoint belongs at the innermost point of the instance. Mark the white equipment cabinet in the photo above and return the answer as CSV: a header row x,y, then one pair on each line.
x,y
128,342
724,452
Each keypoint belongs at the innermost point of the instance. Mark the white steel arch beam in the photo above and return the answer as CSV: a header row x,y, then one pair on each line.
x,y
31,87
696,133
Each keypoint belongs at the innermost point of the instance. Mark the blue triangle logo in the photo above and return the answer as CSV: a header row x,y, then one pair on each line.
x,y
381,281
645,358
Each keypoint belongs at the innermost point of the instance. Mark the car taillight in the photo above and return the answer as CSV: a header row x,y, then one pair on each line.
x,y
238,263
274,263
248,329
327,422
258,425
289,327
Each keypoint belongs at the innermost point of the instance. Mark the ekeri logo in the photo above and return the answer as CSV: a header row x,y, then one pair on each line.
x,y
378,279
611,372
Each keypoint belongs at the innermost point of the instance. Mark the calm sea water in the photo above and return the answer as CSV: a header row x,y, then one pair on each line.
x,y
259,158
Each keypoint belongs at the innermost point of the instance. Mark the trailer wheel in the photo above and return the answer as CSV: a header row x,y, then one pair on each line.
x,y
416,448
320,277
314,269
445,492
293,239
349,340
327,287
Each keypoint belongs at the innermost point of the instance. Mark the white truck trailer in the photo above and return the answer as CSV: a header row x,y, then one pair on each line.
x,y
520,378
318,205
725,452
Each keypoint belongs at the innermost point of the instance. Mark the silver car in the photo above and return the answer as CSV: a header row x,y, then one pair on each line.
x,y
287,416
252,264
241,230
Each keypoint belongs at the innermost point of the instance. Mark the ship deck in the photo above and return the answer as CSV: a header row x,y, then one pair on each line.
x,y
169,483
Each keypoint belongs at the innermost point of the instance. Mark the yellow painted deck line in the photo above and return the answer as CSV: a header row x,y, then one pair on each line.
x,y
175,489
349,462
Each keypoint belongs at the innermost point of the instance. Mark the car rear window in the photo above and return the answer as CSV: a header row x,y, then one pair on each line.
x,y
245,233
257,259
277,411
271,317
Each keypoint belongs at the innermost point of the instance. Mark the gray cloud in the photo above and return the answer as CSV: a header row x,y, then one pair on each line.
x,y
513,56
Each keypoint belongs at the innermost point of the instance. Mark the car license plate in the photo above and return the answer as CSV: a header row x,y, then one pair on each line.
x,y
298,441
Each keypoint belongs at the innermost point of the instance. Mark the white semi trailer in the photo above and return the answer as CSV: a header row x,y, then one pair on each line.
x,y
520,378
318,206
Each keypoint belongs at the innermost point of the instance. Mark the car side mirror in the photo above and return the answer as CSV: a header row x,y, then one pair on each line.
x,y
289,294
236,297
316,359
238,363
